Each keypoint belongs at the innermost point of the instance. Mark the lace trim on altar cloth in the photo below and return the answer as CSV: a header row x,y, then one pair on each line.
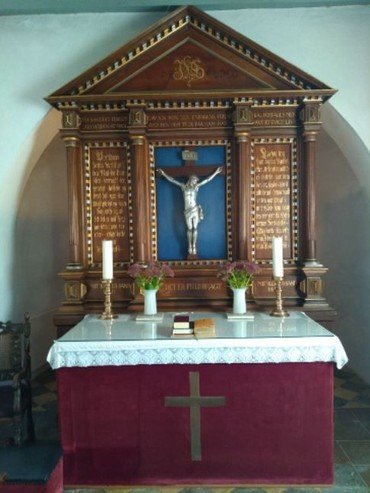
x,y
76,355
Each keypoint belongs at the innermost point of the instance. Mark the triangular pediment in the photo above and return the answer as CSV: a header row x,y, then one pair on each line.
x,y
189,51
190,65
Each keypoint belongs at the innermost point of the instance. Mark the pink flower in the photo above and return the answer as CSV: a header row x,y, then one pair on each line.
x,y
238,274
252,268
167,270
230,266
151,275
134,270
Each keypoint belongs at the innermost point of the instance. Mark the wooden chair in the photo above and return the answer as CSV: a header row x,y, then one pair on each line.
x,y
15,381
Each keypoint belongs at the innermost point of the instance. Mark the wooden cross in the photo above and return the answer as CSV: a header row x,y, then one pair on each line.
x,y
189,156
195,401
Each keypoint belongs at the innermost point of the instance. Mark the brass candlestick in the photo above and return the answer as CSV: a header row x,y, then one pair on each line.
x,y
279,312
107,289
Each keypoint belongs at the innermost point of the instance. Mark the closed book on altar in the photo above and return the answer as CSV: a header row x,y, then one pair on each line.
x,y
181,322
183,336
204,327
187,330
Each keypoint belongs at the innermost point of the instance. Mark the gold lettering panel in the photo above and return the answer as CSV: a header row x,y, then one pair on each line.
x,y
274,197
264,287
189,119
108,200
274,117
98,121
121,290
207,288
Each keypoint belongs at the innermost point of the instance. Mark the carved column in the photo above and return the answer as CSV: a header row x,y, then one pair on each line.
x,y
311,284
72,142
242,118
311,123
140,184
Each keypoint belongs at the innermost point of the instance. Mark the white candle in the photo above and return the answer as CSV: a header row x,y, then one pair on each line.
x,y
277,257
107,247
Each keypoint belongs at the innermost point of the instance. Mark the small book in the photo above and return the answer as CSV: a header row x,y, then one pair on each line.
x,y
183,336
181,322
187,330
204,327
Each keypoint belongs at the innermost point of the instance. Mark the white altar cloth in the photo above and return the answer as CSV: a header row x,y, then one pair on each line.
x,y
123,341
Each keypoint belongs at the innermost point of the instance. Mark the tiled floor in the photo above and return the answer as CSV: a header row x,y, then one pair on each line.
x,y
352,440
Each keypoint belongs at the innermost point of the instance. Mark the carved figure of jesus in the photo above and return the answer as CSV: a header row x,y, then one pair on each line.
x,y
193,212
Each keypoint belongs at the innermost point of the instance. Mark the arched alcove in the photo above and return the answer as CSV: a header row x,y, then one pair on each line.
x,y
343,213
343,218
41,246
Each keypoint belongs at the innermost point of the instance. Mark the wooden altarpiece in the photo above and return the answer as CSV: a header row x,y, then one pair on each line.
x,y
190,94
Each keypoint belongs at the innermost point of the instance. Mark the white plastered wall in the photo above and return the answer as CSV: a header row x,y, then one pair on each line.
x,y
41,53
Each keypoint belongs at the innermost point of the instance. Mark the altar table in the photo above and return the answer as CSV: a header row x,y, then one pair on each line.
x,y
254,405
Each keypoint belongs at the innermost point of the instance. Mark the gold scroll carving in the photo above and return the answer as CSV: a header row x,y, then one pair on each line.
x,y
272,197
188,69
71,119
74,291
108,208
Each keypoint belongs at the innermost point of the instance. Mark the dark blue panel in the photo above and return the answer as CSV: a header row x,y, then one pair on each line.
x,y
171,227
212,230
212,155
168,156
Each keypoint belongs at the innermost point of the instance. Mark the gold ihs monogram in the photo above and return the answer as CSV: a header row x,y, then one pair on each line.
x,y
188,69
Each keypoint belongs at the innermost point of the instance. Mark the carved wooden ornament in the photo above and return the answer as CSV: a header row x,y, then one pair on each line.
x,y
191,86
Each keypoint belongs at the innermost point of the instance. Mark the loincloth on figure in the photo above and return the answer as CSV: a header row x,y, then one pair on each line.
x,y
194,212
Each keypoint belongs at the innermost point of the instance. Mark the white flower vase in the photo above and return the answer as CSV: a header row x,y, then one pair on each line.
x,y
239,303
150,301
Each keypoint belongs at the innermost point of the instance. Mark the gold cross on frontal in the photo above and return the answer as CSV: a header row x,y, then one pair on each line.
x,y
195,401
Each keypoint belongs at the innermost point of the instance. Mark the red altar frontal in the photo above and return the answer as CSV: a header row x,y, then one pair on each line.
x,y
254,423
252,405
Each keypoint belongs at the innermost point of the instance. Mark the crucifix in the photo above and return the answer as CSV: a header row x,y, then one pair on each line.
x,y
195,401
192,211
